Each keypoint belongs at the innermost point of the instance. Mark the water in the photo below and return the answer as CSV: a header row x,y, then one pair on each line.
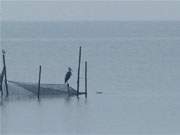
x,y
138,75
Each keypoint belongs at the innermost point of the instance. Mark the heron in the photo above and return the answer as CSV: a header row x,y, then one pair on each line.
x,y
68,75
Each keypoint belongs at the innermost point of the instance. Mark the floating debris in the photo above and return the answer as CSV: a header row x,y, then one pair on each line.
x,y
99,92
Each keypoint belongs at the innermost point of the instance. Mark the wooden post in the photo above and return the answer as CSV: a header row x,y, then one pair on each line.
x,y
68,89
79,66
5,74
1,80
39,81
1,89
86,79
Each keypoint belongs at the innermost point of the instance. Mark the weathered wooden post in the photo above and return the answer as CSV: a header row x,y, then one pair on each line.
x,y
68,89
86,79
39,81
1,80
1,83
5,73
1,89
79,66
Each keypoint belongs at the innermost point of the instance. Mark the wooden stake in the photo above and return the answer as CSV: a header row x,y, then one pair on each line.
x,y
39,81
1,80
79,66
1,89
68,89
5,74
86,79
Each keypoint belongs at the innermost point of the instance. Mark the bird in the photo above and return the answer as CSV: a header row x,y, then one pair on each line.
x,y
68,75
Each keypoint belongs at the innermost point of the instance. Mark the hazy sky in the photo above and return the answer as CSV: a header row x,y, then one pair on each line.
x,y
29,10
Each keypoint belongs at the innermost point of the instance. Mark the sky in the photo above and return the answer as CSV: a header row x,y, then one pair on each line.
x,y
31,10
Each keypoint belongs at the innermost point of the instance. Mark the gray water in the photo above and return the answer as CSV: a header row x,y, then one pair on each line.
x,y
135,66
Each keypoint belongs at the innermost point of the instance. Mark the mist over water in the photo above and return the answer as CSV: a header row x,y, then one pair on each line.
x,y
134,64
89,29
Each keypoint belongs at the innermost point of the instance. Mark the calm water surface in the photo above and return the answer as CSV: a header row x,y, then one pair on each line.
x,y
138,77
